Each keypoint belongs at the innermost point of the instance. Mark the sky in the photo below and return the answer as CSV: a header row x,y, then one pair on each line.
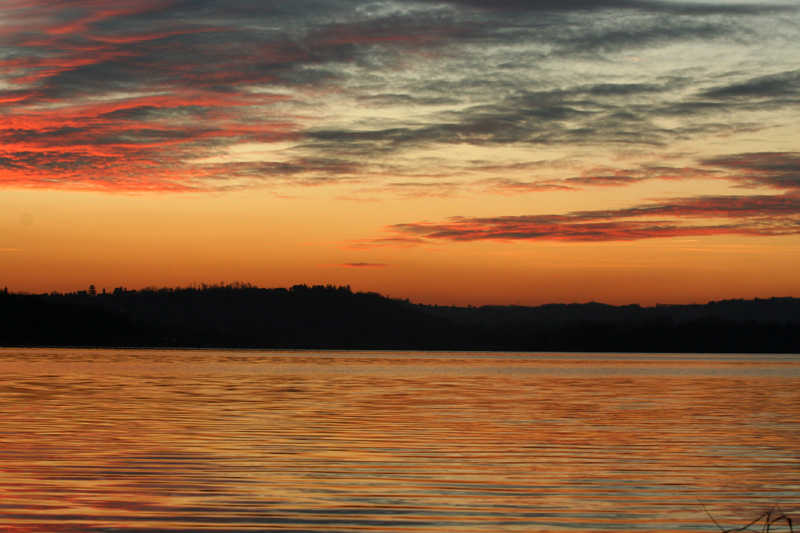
x,y
449,152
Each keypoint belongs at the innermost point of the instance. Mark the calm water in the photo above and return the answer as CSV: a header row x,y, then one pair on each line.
x,y
113,440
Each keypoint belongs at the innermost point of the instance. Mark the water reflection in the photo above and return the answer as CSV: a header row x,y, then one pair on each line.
x,y
241,441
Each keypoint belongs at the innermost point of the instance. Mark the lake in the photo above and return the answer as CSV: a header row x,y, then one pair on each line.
x,y
235,441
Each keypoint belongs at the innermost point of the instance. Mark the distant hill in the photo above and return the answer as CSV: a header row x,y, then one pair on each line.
x,y
759,310
735,326
320,317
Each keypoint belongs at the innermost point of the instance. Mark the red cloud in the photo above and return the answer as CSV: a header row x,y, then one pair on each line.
x,y
121,97
362,265
719,215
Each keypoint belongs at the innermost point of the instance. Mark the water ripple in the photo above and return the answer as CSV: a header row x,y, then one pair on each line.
x,y
179,441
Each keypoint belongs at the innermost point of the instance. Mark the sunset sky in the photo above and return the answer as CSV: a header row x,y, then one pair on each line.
x,y
461,152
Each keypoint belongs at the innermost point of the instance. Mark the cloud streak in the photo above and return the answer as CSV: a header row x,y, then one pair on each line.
x,y
693,8
777,170
361,265
678,217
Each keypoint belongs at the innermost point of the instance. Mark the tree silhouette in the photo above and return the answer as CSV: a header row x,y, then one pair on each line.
x,y
324,316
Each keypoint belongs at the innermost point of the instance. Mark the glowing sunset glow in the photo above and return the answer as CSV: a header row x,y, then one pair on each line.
x,y
457,152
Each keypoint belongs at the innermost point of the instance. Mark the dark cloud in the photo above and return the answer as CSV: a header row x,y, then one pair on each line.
x,y
362,265
155,113
775,86
753,95
509,186
779,170
388,242
735,215
623,89
581,115
690,8
603,181
600,40
58,164
775,170
381,100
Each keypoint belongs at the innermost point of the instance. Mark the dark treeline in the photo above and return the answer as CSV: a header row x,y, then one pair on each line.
x,y
235,316
243,316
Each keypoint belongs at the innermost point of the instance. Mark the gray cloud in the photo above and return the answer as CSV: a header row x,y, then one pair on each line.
x,y
774,86
58,164
779,170
579,115
163,85
691,8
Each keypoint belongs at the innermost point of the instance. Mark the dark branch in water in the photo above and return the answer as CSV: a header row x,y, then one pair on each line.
x,y
768,518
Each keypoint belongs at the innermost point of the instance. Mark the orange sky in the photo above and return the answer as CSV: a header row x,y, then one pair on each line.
x,y
467,152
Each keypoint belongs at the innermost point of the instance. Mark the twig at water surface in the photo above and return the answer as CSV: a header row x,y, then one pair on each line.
x,y
769,518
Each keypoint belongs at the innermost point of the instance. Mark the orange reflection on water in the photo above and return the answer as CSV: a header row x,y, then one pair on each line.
x,y
187,441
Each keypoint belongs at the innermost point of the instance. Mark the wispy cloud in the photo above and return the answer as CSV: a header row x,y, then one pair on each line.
x,y
697,8
778,170
360,265
155,96
775,170
774,87
757,215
